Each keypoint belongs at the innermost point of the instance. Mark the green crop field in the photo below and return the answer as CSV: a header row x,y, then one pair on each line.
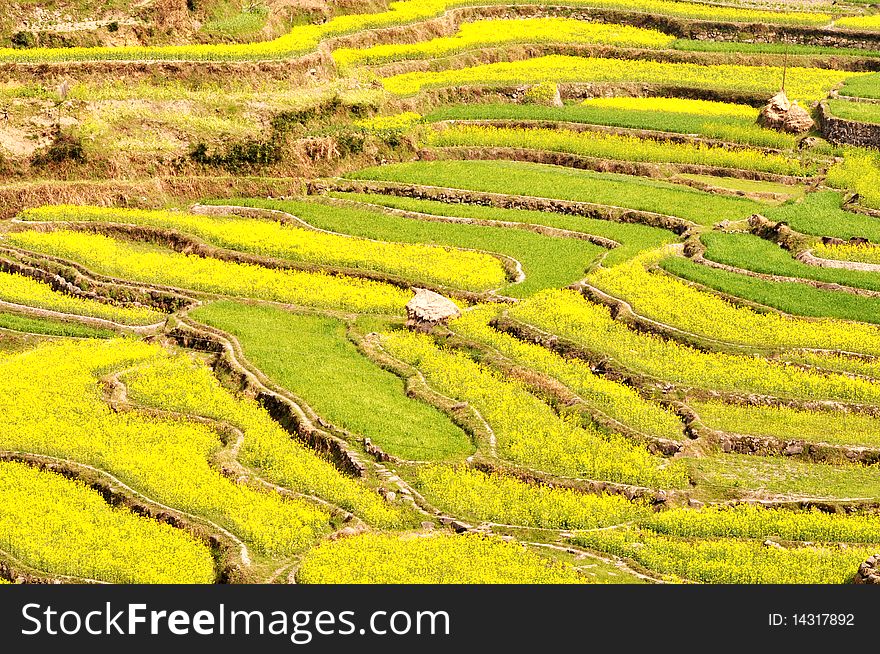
x,y
439,292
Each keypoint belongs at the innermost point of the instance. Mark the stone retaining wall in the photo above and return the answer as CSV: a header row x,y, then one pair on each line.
x,y
849,132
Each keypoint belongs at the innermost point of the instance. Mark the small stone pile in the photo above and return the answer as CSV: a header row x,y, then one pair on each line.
x,y
785,116
428,308
868,571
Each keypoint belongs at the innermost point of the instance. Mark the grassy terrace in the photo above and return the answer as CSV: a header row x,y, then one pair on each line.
x,y
753,253
728,122
312,357
633,238
46,327
785,192
806,84
791,297
538,180
865,112
186,386
617,147
820,214
547,261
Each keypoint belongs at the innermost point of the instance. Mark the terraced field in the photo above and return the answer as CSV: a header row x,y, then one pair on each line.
x,y
657,357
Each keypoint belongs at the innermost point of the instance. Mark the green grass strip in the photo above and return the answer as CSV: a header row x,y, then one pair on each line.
x,y
48,327
548,262
791,297
820,214
759,255
727,128
312,356
539,180
633,238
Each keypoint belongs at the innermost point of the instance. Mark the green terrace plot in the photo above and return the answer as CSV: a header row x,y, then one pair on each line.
x,y
312,357
22,323
154,264
794,298
547,261
673,302
820,214
743,475
863,86
865,112
833,427
753,253
807,84
591,327
633,238
489,33
518,178
620,147
780,192
296,242
659,114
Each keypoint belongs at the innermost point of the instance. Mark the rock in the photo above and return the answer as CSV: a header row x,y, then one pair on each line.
x,y
427,525
460,527
390,496
807,143
798,120
773,544
785,116
428,307
793,448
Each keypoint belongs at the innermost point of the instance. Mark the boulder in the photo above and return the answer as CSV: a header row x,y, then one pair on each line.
x,y
785,116
808,143
430,308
